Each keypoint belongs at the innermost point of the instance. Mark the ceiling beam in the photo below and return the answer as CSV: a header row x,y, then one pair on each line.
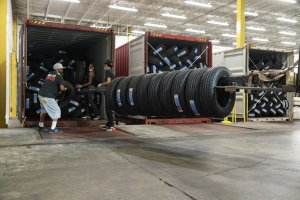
x,y
48,8
91,4
66,13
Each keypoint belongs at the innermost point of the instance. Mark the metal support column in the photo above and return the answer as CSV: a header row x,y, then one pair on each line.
x,y
3,13
13,78
240,40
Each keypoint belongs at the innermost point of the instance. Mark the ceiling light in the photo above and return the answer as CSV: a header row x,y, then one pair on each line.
x,y
215,41
138,32
174,16
194,30
114,6
234,43
289,1
248,13
287,33
218,23
261,39
155,25
286,20
72,1
256,28
95,26
289,43
195,3
228,35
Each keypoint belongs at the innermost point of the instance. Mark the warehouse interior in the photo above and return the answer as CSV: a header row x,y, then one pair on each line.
x,y
205,99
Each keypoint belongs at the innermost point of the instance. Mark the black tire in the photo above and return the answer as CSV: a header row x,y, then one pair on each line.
x,y
153,100
216,102
171,51
194,52
110,98
132,95
165,94
183,52
65,97
121,96
155,61
176,61
142,95
193,92
178,93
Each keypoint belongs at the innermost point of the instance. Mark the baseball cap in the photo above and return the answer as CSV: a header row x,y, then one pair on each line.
x,y
58,66
108,62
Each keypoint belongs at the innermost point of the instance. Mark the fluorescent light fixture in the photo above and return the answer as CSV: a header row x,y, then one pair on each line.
x,y
218,23
138,32
155,25
95,26
229,35
234,43
194,30
289,1
256,28
287,33
114,6
215,41
72,1
286,20
261,39
248,13
195,3
174,16
289,43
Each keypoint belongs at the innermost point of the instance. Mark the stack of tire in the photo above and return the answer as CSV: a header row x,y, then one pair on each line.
x,y
178,93
267,104
164,58
38,66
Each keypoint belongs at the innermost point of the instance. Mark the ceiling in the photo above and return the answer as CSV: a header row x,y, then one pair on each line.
x,y
89,12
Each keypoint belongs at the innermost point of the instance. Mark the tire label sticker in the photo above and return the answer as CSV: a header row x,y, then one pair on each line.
x,y
74,103
130,96
119,97
35,97
27,103
193,106
72,109
177,103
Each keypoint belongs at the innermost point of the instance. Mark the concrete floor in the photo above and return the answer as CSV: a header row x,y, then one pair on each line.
x,y
206,161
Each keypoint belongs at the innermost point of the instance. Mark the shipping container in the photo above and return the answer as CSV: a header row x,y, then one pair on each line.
x,y
133,57
259,106
46,43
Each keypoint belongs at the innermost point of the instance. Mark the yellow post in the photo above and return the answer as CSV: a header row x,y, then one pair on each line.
x,y
3,13
13,94
240,24
240,39
129,29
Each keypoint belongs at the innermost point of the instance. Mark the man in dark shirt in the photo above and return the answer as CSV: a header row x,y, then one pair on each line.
x,y
90,84
53,83
109,76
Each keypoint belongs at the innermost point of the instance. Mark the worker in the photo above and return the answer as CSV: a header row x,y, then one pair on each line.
x,y
108,77
90,85
47,94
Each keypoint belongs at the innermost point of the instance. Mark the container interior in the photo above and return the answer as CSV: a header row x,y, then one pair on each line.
x,y
47,46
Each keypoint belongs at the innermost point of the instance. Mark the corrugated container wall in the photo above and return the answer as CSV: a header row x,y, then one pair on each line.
x,y
122,61
139,50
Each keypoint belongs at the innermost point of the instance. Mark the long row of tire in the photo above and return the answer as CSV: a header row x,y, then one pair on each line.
x,y
172,94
